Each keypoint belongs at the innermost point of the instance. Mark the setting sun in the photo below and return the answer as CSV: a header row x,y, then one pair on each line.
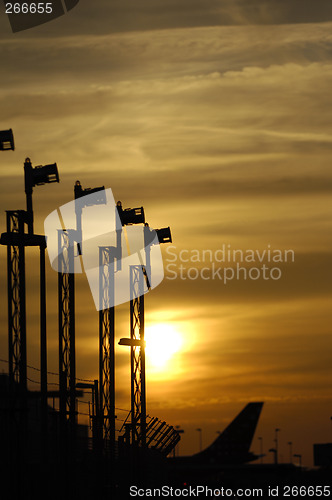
x,y
162,342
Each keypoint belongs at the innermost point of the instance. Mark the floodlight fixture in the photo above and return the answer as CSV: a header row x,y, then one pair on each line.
x,y
7,140
82,200
40,175
79,192
46,174
127,217
130,216
163,235
37,176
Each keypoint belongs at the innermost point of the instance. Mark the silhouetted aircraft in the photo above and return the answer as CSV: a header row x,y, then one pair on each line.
x,y
231,447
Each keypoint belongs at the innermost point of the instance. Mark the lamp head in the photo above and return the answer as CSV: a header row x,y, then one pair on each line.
x,y
130,215
164,235
79,192
38,176
45,174
7,140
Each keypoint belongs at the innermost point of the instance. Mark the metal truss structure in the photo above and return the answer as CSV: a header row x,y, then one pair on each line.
x,y
16,299
141,432
137,356
160,436
106,348
16,240
67,362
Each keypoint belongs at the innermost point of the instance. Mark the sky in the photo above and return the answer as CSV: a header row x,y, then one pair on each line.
x,y
213,115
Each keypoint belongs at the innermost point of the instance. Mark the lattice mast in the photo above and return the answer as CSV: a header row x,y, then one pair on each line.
x,y
137,356
16,299
67,357
107,348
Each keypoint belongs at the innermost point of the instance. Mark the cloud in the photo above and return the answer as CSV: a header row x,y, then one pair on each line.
x,y
130,15
174,100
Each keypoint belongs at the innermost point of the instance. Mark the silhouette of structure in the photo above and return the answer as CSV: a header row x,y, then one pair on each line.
x,y
16,238
42,441
107,348
7,140
67,238
67,356
140,275
108,256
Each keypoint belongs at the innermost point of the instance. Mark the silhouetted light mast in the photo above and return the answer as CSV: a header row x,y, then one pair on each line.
x,y
276,440
17,239
199,430
261,448
274,451
67,238
139,274
107,258
290,444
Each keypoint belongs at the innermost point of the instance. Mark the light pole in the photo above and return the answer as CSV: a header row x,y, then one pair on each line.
x,y
177,447
200,438
277,444
300,459
290,451
261,448
274,451
136,341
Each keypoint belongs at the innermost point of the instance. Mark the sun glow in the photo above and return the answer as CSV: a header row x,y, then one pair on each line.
x,y
162,342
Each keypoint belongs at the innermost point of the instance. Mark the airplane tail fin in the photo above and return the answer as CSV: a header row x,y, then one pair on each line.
x,y
233,444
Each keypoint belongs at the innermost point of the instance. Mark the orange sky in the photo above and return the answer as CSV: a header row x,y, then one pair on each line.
x,y
220,127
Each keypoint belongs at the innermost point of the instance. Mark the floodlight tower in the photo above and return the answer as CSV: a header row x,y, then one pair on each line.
x,y
67,238
38,176
67,361
140,274
109,262
16,239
